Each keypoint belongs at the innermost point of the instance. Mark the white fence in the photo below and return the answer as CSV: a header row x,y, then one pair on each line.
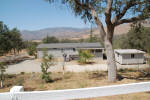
x,y
75,93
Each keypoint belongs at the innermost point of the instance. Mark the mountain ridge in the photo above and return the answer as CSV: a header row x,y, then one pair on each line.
x,y
70,32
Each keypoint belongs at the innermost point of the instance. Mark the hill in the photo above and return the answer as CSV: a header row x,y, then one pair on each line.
x,y
60,32
70,33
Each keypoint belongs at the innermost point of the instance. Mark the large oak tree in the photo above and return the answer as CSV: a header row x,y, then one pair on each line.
x,y
115,12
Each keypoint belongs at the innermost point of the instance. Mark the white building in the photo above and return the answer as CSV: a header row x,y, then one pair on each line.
x,y
70,49
129,56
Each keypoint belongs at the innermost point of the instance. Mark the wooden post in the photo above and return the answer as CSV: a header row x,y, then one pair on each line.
x,y
63,67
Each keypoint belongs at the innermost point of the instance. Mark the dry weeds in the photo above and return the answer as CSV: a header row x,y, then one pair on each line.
x,y
32,82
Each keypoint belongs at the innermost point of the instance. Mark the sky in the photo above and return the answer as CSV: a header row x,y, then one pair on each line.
x,y
37,14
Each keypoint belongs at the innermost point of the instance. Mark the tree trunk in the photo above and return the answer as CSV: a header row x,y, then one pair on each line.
x,y
63,67
1,79
112,68
107,38
1,83
14,51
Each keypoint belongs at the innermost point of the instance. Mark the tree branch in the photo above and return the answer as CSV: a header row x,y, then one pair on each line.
x,y
108,12
84,6
95,16
133,19
129,4
99,23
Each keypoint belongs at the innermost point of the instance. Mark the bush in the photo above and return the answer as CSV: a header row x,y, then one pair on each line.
x,y
31,50
46,77
84,56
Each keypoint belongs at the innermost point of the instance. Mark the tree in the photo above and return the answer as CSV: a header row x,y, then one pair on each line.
x,y
85,55
137,38
115,13
16,40
47,62
10,39
2,70
5,42
50,40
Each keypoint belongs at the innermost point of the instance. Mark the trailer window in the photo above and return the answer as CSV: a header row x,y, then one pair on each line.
x,y
98,50
74,49
132,55
62,50
118,54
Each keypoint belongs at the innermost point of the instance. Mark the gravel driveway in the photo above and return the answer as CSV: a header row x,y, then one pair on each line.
x,y
34,66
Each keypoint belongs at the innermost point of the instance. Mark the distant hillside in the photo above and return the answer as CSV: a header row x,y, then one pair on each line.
x,y
71,33
57,32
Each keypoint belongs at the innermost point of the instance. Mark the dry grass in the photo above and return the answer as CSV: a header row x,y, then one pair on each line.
x,y
135,96
91,61
32,82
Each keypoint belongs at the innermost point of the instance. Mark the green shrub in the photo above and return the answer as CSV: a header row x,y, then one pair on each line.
x,y
32,50
46,77
84,56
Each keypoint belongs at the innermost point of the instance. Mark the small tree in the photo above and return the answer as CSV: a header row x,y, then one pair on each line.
x,y
85,55
47,62
2,70
31,49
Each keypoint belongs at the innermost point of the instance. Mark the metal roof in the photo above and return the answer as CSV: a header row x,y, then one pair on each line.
x,y
70,45
128,51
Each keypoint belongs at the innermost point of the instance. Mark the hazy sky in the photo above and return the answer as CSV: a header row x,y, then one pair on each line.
x,y
37,14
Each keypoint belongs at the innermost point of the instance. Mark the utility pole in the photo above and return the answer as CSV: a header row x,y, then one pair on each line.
x,y
91,34
64,56
47,38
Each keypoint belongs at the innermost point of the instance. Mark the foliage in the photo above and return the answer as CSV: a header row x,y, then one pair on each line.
x,y
10,39
117,7
68,41
85,55
16,40
137,38
31,49
2,70
49,39
5,43
47,62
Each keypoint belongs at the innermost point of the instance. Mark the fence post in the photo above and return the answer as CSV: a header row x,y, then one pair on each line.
x,y
15,89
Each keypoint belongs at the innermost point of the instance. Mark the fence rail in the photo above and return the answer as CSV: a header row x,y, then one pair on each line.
x,y
76,93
